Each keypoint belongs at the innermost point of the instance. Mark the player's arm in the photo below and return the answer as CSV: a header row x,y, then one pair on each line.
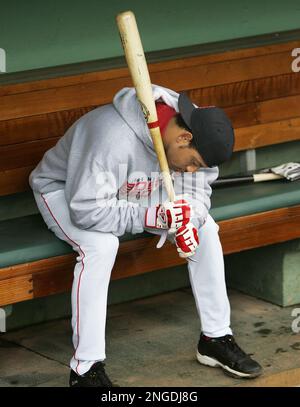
x,y
94,205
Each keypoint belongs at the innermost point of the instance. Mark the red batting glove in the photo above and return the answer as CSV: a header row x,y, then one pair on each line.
x,y
169,215
187,240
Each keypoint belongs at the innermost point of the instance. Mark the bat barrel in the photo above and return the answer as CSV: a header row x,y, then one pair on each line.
x,y
138,69
137,64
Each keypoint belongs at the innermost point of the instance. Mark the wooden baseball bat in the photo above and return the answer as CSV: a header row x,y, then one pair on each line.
x,y
245,179
289,171
138,69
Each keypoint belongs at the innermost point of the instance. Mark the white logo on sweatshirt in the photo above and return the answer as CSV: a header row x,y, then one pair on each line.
x,y
138,188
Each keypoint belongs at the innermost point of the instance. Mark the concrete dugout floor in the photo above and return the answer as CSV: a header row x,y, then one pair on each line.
x,y
152,342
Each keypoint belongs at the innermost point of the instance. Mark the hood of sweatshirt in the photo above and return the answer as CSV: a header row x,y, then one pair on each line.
x,y
128,106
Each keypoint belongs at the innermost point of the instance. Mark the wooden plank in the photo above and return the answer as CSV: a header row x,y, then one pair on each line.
x,y
279,109
52,100
267,111
153,67
244,114
24,154
55,264
56,124
144,259
62,81
136,257
261,229
16,180
30,153
101,92
16,289
52,282
40,126
225,72
248,91
267,134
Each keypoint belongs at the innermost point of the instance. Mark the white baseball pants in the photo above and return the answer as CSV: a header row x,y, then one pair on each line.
x,y
96,256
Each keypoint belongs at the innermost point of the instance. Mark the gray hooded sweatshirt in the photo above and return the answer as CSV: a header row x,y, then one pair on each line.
x,y
107,165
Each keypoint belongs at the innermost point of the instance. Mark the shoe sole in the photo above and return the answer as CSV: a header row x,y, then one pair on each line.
x,y
208,361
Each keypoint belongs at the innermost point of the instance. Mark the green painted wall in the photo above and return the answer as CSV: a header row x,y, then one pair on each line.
x,y
38,34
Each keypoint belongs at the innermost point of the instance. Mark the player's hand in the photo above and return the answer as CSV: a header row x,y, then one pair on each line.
x,y
187,240
169,215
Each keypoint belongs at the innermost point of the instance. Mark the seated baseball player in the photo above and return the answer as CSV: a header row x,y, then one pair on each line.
x,y
102,180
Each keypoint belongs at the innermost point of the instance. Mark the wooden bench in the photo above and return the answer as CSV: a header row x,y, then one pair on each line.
x,y
255,86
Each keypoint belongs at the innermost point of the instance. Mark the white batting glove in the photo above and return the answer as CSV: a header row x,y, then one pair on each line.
x,y
169,215
187,240
291,171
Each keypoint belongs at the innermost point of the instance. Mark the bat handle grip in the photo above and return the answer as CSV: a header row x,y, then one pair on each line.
x,y
232,181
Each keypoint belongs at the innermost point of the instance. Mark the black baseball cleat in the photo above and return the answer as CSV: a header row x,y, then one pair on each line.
x,y
224,352
95,377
